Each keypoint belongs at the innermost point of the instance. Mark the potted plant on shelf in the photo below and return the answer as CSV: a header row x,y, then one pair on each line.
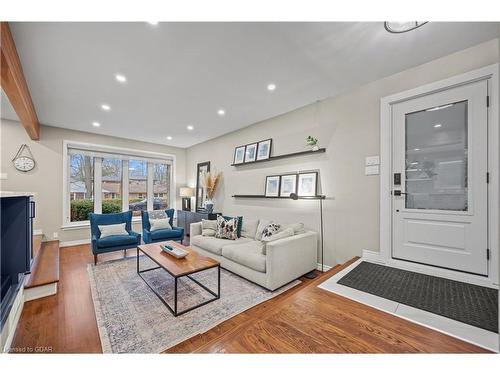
x,y
313,142
210,182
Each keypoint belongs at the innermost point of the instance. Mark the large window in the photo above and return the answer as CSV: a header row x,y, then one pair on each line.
x,y
81,186
106,181
111,186
137,186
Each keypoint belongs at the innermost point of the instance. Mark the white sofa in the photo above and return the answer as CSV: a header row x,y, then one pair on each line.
x,y
271,264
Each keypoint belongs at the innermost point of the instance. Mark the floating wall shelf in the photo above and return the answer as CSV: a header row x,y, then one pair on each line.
x,y
283,156
265,197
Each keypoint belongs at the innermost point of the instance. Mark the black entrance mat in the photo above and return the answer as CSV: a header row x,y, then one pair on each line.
x,y
467,303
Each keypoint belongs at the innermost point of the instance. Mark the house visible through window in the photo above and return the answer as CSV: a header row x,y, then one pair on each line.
x,y
104,182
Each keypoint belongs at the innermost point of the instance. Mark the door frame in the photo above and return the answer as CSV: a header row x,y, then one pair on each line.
x,y
489,73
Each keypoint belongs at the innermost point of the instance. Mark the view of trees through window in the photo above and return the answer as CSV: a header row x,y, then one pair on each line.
x,y
137,186
111,185
161,186
82,188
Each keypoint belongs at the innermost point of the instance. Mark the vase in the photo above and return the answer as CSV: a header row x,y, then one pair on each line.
x,y
209,206
315,148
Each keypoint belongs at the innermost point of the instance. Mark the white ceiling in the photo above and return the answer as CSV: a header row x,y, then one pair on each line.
x,y
182,73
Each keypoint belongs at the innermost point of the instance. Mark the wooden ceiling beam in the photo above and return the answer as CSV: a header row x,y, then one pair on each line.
x,y
14,84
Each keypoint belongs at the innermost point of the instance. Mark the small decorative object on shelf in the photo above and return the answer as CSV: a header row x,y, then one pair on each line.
x,y
313,142
210,183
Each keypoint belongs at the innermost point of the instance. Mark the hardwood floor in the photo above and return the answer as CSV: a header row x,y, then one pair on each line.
x,y
305,319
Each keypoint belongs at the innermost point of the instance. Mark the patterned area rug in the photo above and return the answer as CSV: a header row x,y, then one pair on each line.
x,y
131,318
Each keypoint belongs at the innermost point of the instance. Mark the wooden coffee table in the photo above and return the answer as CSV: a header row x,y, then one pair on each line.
x,y
178,268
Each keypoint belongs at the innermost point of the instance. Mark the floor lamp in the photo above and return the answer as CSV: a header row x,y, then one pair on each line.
x,y
312,274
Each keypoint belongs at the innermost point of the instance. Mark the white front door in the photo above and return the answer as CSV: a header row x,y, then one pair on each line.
x,y
439,192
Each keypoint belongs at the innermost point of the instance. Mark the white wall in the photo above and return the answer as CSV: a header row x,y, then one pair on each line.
x,y
46,178
348,126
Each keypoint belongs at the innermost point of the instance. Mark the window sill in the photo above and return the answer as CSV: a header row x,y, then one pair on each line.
x,y
86,224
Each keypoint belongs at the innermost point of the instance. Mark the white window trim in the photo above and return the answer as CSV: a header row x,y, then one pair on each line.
x,y
67,144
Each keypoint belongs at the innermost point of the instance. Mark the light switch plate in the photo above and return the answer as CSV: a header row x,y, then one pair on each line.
x,y
372,170
372,160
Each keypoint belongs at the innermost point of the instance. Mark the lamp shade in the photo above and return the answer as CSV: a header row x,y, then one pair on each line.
x,y
186,192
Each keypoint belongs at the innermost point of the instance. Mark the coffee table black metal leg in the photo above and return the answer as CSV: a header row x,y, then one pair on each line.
x,y
175,297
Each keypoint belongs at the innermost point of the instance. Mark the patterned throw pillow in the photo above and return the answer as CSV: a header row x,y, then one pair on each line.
x,y
227,228
270,230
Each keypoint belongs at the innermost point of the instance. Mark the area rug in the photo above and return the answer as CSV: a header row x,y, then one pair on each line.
x,y
131,318
466,303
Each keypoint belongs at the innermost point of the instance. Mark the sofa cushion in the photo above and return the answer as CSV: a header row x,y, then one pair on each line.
x,y
239,225
249,228
271,229
156,224
247,254
227,228
215,245
112,230
165,234
262,225
116,240
298,228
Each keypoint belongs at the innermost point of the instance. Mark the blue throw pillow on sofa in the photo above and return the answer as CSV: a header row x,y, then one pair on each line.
x,y
240,223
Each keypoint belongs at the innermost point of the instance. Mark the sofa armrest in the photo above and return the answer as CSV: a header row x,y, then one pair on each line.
x,y
195,229
291,257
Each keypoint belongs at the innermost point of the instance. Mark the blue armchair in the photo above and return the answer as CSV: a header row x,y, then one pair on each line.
x,y
174,234
116,242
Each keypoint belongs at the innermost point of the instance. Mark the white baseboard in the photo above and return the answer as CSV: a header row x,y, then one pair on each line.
x,y
74,243
325,267
40,292
373,256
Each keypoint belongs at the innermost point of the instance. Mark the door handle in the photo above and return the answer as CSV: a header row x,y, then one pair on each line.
x,y
398,193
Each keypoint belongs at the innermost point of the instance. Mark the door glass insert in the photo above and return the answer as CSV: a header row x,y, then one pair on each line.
x,y
436,158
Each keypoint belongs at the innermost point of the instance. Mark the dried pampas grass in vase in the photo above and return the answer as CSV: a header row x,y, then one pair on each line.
x,y
210,182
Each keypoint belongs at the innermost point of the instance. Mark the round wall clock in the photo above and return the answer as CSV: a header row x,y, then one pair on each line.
x,y
24,163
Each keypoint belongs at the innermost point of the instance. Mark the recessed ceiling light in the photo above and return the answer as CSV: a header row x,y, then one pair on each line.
x,y
105,107
169,138
416,149
271,87
221,112
96,124
154,23
438,125
190,127
121,78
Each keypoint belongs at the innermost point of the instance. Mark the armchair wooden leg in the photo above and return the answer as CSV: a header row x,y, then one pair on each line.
x,y
124,253
95,259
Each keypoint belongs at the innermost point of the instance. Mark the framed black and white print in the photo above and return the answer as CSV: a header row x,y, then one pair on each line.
x,y
272,186
307,184
250,152
264,149
239,155
288,185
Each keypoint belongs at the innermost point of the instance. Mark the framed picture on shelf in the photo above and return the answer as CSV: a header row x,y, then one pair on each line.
x,y
250,152
307,184
239,155
288,185
264,149
272,186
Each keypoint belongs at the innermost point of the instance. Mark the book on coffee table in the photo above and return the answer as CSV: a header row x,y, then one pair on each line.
x,y
174,251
